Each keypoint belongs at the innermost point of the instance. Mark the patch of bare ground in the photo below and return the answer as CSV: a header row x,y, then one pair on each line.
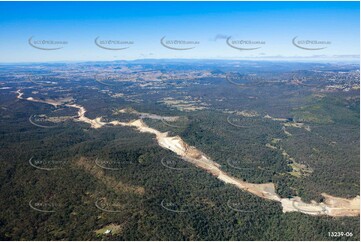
x,y
111,229
331,206
185,105
146,115
341,206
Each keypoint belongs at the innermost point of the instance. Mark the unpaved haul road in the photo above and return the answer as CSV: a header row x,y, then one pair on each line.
x,y
332,206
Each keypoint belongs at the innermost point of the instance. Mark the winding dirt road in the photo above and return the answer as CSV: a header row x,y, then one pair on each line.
x,y
332,206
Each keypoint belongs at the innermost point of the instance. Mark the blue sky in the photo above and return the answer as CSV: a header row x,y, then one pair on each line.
x,y
145,23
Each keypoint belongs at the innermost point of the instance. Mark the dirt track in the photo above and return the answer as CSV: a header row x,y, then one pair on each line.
x,y
332,206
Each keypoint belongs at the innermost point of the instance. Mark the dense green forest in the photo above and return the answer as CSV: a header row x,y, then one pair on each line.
x,y
148,192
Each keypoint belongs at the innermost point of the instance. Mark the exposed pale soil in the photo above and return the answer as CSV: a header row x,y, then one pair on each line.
x,y
332,206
